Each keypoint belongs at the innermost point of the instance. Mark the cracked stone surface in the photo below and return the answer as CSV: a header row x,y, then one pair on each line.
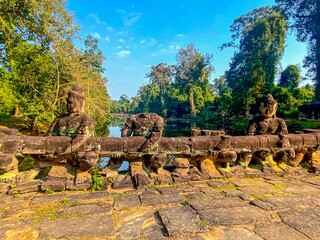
x,y
234,216
273,208
181,220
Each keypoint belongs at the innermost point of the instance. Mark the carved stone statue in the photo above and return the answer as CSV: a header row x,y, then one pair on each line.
x,y
77,125
268,123
149,125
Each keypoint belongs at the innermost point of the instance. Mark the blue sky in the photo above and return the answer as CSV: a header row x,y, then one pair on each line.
x,y
136,34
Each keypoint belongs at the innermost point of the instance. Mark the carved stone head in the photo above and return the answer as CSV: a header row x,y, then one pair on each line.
x,y
75,100
268,107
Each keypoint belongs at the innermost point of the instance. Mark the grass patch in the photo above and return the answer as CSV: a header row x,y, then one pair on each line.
x,y
121,194
207,225
226,187
50,210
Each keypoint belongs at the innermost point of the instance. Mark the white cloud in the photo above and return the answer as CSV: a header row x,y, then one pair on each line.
x,y
152,42
107,39
121,40
123,53
129,21
174,47
121,33
94,16
129,18
131,38
119,47
180,35
96,35
110,29
121,11
154,54
127,47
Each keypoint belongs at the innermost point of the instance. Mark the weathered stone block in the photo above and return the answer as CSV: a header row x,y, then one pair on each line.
x,y
112,144
125,182
11,144
7,163
34,145
234,216
161,178
181,220
54,184
27,187
208,169
181,162
204,143
57,145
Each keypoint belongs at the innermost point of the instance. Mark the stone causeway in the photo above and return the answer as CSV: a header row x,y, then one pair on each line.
x,y
281,208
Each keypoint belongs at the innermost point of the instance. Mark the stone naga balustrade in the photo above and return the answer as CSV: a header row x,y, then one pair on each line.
x,y
189,146
192,147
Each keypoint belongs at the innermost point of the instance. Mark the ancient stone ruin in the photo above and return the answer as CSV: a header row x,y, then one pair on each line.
x,y
64,157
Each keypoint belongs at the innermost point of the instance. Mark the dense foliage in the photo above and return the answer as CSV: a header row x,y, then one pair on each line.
x,y
184,88
39,63
305,18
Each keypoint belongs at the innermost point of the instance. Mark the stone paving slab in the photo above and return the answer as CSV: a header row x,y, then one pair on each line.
x,y
140,225
83,209
234,216
260,191
77,227
278,231
167,190
263,205
181,220
211,192
295,214
151,200
20,224
236,234
96,195
250,182
218,184
172,198
126,201
293,201
54,198
301,189
312,181
303,222
209,203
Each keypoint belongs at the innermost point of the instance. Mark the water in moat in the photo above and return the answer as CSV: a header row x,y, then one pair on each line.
x,y
173,128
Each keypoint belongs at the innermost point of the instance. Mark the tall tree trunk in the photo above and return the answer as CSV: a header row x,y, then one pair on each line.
x,y
317,53
193,108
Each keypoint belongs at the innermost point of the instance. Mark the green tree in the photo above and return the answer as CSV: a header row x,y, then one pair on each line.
x,y
161,75
261,34
290,77
220,85
40,64
305,16
192,74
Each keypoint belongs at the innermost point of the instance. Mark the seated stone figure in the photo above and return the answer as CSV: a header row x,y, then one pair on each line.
x,y
268,123
77,125
149,125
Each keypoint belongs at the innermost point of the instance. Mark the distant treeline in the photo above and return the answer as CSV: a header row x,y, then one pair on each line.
x,y
259,41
